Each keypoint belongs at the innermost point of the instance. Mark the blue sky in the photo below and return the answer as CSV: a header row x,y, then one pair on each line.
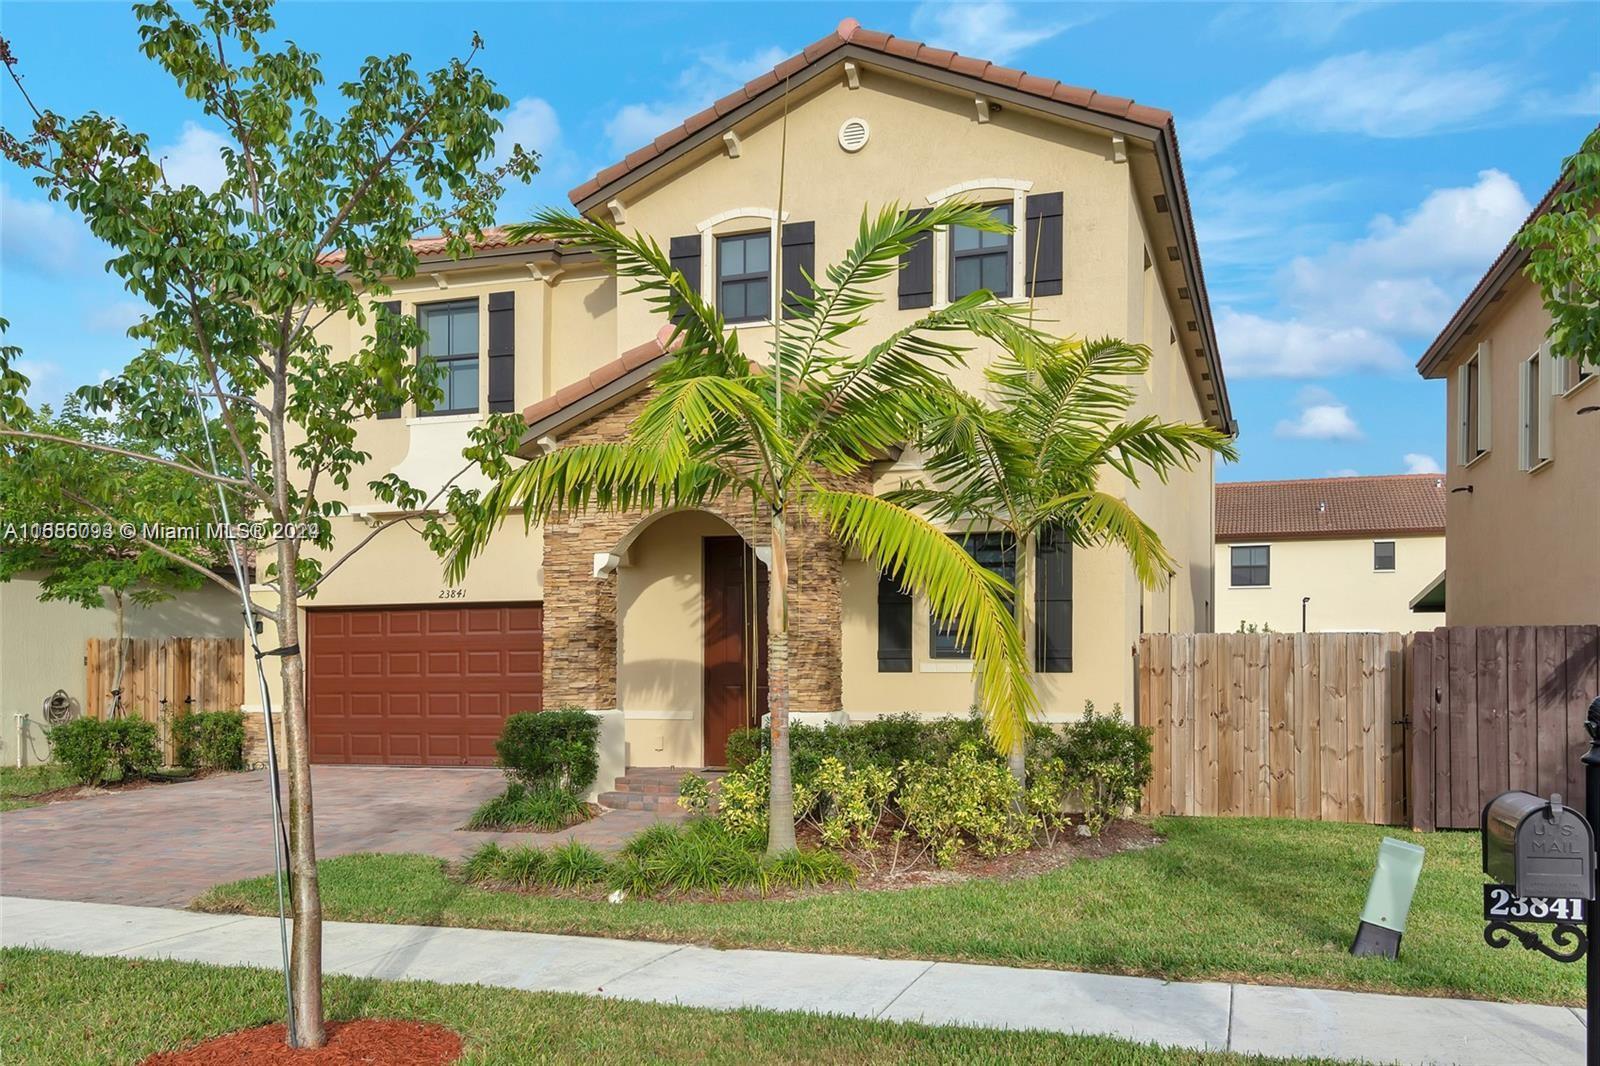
x,y
1353,167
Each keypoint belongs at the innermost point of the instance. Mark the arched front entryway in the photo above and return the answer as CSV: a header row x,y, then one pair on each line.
x,y
691,637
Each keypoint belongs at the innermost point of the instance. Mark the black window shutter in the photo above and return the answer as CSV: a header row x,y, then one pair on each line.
x,y
799,264
894,626
684,254
502,351
1042,248
1052,602
388,307
916,272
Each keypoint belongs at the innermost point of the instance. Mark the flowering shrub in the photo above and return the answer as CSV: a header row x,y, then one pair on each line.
x,y
969,799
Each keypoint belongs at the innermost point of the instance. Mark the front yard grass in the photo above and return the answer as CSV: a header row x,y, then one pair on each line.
x,y
18,784
64,1008
1254,900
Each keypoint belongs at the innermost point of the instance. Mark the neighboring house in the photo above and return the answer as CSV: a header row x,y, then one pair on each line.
x,y
1523,543
42,645
1334,554
652,619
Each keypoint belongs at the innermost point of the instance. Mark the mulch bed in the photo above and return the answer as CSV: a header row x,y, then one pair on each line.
x,y
132,784
359,1043
873,869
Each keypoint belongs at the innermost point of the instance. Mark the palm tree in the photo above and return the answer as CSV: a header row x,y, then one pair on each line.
x,y
1029,460
793,435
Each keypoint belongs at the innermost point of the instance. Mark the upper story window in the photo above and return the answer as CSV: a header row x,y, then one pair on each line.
x,y
1569,373
980,259
1383,555
1538,382
1252,566
1472,406
451,340
997,553
744,276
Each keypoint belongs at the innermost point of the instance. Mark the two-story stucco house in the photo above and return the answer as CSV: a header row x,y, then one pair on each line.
x,y
651,619
1334,554
1523,506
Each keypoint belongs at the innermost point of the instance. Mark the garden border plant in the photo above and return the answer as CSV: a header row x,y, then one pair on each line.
x,y
209,740
550,758
98,751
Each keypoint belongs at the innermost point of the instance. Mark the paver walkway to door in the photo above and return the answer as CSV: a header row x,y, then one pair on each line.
x,y
166,844
1208,1014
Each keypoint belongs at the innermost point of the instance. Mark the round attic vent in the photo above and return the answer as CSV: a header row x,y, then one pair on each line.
x,y
853,134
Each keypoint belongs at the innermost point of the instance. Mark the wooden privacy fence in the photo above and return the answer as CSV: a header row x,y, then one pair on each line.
x,y
1496,708
163,678
1276,724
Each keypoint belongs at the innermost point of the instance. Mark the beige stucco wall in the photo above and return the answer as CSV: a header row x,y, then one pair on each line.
x,y
925,140
1347,594
42,649
1524,547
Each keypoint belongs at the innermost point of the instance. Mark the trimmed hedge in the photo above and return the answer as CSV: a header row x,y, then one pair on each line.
x,y
210,740
551,749
97,751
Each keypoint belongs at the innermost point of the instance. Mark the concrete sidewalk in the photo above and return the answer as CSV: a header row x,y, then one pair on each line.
x,y
1247,1018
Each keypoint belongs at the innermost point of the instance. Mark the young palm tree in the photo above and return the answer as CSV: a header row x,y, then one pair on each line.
x,y
792,435
1029,460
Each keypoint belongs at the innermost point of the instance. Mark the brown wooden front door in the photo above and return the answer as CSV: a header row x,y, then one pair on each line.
x,y
735,624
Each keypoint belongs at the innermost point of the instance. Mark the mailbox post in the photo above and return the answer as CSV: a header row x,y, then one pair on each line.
x,y
1540,856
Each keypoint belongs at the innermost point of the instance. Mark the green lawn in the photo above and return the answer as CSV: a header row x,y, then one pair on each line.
x,y
1245,899
61,1008
17,784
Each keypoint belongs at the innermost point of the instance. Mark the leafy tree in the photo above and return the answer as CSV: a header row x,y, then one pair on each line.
x,y
318,208
57,499
790,436
1564,256
1031,456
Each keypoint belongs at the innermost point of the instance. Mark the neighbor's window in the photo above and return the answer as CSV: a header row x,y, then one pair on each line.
x,y
1383,555
451,340
979,259
1472,406
1252,566
1534,403
744,276
1570,373
997,553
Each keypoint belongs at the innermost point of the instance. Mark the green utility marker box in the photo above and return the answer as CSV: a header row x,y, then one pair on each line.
x,y
1394,882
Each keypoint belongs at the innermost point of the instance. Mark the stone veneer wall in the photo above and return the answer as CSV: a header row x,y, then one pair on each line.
x,y
580,610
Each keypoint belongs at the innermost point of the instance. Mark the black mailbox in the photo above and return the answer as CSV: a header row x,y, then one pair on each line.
x,y
1539,846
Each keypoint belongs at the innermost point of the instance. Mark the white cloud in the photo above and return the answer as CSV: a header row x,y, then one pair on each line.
x,y
1345,471
712,74
45,380
1583,101
1321,421
1418,463
1350,306
532,123
194,159
39,234
1310,23
988,30
1400,93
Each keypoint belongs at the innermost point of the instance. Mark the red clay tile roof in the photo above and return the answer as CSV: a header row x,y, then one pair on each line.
x,y
494,237
1330,507
1511,257
583,388
849,31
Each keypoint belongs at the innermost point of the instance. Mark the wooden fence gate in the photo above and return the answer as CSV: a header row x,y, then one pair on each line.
x,y
163,678
1496,708
1291,725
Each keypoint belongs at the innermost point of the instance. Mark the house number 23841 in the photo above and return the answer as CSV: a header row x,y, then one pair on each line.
x,y
452,594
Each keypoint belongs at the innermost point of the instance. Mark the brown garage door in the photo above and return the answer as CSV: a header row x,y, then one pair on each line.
x,y
419,686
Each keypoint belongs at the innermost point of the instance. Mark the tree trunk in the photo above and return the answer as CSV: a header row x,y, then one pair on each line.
x,y
1017,757
122,656
305,898
780,803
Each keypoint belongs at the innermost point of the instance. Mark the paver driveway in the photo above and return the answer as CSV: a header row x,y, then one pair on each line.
x,y
164,845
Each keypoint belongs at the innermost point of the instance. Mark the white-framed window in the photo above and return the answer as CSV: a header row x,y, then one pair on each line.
x,y
1537,382
1472,406
1568,374
1250,566
450,339
946,263
733,231
1383,555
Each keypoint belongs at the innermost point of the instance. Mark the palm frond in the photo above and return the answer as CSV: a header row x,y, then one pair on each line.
x,y
960,592
1096,518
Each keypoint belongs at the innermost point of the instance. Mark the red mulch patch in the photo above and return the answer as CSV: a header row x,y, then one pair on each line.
x,y
369,1041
